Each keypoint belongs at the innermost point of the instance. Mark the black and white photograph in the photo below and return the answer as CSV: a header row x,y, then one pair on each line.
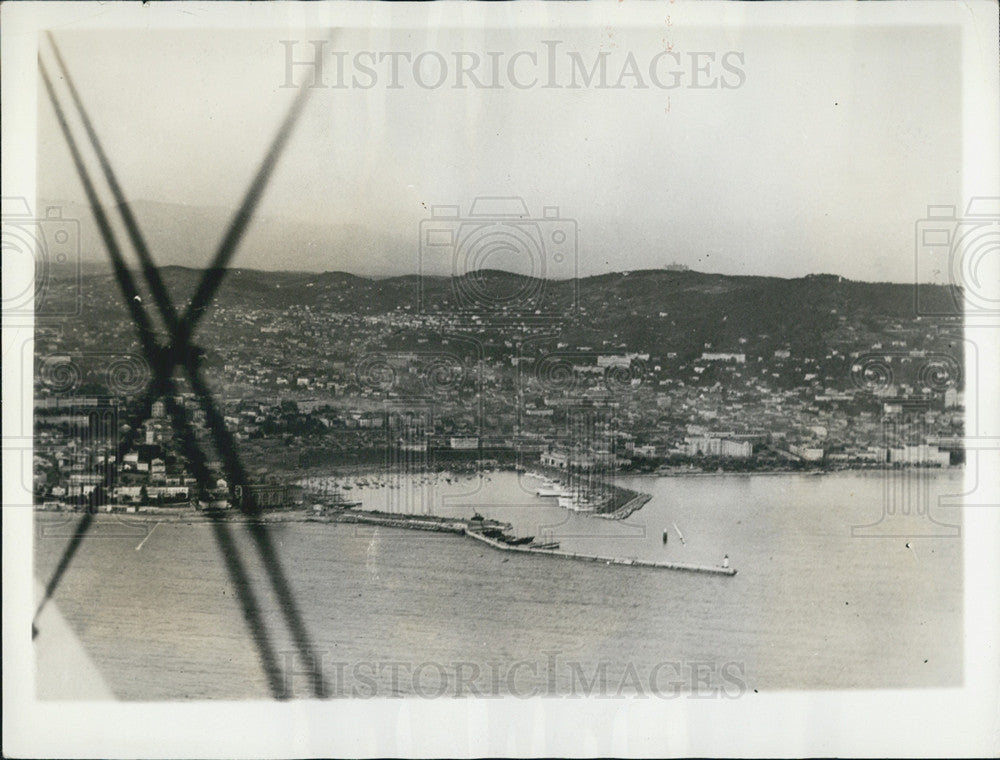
x,y
509,379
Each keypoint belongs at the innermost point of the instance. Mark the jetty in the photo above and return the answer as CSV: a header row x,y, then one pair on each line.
x,y
499,535
502,546
431,523
634,504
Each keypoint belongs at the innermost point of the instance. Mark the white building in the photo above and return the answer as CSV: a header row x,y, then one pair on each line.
x,y
717,447
919,455
720,356
807,453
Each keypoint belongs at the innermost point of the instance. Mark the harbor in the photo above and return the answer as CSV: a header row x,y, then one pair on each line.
x,y
588,491
452,503
456,503
497,535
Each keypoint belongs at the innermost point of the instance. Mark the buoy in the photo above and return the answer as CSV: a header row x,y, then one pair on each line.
x,y
725,562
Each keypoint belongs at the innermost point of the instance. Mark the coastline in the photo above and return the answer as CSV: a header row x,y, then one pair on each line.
x,y
370,469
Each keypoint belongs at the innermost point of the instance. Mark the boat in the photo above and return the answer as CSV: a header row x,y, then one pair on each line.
x,y
553,492
548,545
679,534
521,541
576,504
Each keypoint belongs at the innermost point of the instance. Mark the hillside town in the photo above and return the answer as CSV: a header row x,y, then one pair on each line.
x,y
314,385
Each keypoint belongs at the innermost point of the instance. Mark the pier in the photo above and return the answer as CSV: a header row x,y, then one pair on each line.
x,y
634,504
431,523
477,527
708,569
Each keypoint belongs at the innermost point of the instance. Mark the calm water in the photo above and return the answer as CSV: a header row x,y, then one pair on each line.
x,y
811,606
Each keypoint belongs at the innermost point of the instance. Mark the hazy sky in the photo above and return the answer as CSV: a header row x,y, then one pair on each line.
x,y
821,161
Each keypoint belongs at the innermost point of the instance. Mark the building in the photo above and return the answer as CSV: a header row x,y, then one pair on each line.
x,y
921,455
133,494
620,360
723,356
807,453
418,446
556,459
259,495
563,460
82,484
711,446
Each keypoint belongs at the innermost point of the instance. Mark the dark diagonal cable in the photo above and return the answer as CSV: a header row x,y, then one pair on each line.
x,y
216,271
156,285
126,283
64,562
180,351
210,282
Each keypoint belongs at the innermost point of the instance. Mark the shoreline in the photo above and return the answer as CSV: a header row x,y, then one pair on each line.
x,y
368,470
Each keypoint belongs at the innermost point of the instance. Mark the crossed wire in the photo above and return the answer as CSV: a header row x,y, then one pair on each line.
x,y
180,350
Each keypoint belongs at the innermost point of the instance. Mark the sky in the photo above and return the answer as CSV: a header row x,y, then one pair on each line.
x,y
820,155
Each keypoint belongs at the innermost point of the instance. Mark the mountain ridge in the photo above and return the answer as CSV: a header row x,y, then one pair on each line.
x,y
651,310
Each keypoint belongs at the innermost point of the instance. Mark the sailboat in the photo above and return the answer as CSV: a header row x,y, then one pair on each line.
x,y
679,534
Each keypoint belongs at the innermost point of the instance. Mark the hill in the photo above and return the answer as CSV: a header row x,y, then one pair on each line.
x,y
654,311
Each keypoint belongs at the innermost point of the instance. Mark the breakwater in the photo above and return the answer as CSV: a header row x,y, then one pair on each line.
x,y
632,505
709,569
431,523
477,529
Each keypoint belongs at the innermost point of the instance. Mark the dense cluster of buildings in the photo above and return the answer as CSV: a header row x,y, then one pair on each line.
x,y
301,386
